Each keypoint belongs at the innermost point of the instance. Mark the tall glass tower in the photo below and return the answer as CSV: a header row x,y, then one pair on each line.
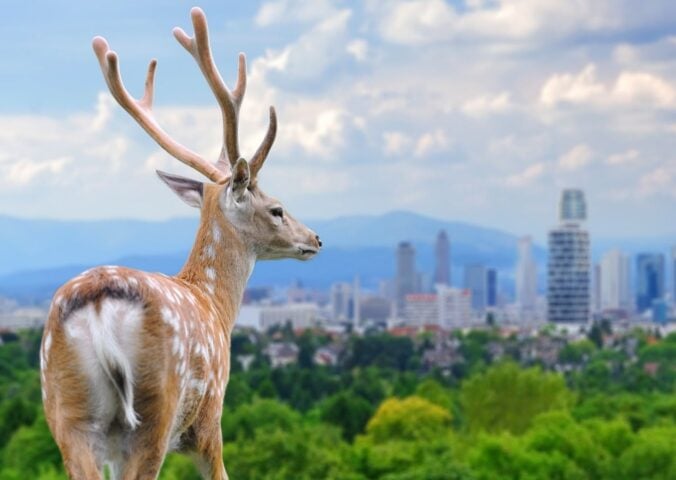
x,y
568,269
442,269
475,281
649,280
406,273
526,276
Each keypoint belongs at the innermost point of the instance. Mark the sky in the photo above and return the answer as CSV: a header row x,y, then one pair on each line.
x,y
474,110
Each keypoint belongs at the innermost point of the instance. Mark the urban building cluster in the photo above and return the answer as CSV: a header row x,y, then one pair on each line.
x,y
572,293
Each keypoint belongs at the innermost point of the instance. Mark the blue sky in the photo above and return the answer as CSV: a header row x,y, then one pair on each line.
x,y
475,110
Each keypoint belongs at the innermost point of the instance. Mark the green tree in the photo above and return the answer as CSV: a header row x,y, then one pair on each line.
x,y
348,411
651,456
412,418
507,398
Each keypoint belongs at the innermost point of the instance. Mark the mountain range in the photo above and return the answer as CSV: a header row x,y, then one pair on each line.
x,y
36,256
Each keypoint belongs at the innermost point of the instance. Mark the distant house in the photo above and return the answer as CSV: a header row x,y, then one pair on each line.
x,y
444,354
282,354
328,355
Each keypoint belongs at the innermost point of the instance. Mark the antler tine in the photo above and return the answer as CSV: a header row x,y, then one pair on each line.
x,y
230,102
141,110
261,154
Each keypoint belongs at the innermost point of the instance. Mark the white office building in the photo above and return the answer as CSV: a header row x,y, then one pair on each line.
x,y
526,277
262,317
615,281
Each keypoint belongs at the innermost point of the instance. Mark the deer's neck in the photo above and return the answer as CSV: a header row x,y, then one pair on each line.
x,y
219,265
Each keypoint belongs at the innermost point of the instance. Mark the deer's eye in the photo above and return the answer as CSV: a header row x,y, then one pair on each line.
x,y
277,212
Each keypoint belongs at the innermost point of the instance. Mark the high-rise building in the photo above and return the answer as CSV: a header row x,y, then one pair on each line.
x,y
491,287
615,281
442,256
406,278
341,301
673,274
356,301
573,207
568,269
649,280
596,288
475,282
526,277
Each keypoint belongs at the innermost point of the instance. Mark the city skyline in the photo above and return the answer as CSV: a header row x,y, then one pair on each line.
x,y
568,100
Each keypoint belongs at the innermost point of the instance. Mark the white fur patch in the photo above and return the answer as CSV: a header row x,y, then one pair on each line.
x,y
107,342
170,318
216,232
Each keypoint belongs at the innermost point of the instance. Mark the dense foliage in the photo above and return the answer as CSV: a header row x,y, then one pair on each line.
x,y
382,413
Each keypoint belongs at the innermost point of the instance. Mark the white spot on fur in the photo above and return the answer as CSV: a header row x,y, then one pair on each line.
x,y
210,252
210,288
199,386
47,346
58,301
210,273
215,232
170,318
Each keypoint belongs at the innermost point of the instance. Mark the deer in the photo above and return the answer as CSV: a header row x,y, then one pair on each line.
x,y
135,364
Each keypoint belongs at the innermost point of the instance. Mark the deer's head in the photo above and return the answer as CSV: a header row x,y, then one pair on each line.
x,y
260,221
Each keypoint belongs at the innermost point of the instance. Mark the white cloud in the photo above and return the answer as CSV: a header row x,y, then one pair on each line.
x,y
574,159
358,48
526,177
418,22
642,88
421,22
487,105
23,172
431,142
631,88
291,11
314,51
660,181
320,137
573,88
394,143
623,158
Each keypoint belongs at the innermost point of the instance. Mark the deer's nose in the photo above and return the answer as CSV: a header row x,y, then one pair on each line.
x,y
319,242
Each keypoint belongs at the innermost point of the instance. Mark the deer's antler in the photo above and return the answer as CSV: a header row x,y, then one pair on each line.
x,y
228,101
141,111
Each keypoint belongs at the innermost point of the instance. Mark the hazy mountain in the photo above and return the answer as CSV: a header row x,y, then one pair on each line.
x,y
27,244
38,255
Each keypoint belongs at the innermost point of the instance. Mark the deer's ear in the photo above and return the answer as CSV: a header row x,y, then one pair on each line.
x,y
240,178
188,190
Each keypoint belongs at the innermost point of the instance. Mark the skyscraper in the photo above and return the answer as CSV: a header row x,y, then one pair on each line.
x,y
442,270
475,282
341,296
491,287
573,207
526,277
568,269
673,274
406,278
649,280
596,288
615,284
